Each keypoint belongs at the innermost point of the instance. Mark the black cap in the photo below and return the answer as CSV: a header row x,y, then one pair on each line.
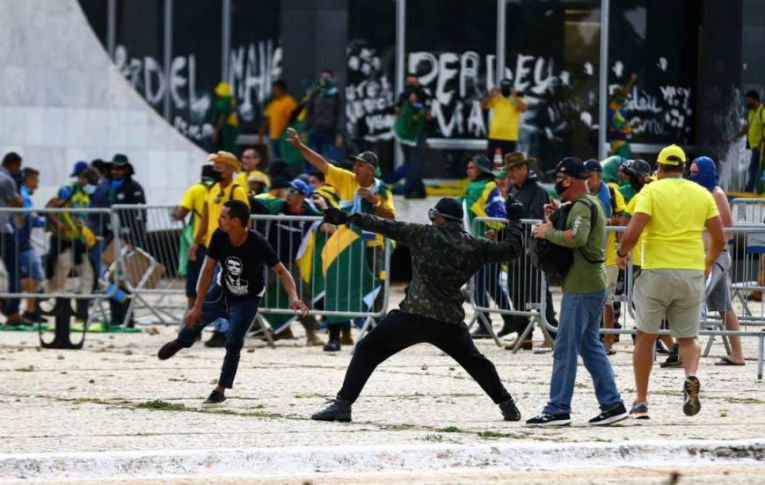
x,y
120,160
571,166
483,163
505,84
366,157
593,165
448,208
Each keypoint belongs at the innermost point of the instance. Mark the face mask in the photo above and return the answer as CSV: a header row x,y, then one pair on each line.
x,y
559,188
505,92
89,189
635,183
216,177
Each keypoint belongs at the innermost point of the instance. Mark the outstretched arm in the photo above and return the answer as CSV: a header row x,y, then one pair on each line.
x,y
404,232
510,247
311,156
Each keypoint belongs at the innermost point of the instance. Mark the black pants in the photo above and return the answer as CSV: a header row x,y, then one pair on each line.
x,y
506,146
400,330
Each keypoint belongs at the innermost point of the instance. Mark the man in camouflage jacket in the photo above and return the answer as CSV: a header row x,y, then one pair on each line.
x,y
444,257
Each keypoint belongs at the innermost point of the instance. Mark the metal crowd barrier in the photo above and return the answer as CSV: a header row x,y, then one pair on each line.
x,y
511,289
52,266
341,273
746,245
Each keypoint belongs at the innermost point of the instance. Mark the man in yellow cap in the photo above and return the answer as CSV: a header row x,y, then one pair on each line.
x,y
671,215
225,165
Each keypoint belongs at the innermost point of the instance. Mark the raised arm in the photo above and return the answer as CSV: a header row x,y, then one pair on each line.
x,y
318,162
404,232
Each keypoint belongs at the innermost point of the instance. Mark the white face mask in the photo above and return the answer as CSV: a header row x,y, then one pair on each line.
x,y
89,189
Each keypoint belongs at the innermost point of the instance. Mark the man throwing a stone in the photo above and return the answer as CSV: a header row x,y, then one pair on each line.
x,y
236,297
432,310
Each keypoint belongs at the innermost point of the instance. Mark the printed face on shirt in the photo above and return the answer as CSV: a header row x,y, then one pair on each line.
x,y
234,267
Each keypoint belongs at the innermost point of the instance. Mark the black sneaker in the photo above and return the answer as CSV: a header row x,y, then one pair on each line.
x,y
509,410
672,361
480,332
544,419
169,349
338,410
332,346
639,411
218,339
661,348
35,317
610,416
691,388
215,399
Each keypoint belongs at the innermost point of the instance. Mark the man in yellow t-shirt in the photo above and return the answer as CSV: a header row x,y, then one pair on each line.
x,y
251,166
277,116
671,215
193,202
225,164
506,107
754,129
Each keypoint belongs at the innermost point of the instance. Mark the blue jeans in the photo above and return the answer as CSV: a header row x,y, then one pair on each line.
x,y
754,169
10,255
578,335
414,157
239,312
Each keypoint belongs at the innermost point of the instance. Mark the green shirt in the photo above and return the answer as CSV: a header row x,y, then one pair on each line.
x,y
583,276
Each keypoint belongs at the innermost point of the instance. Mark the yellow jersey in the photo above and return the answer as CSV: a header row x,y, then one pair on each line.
x,y
194,200
505,118
216,197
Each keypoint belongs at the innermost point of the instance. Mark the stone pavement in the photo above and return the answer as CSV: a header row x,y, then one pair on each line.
x,y
116,396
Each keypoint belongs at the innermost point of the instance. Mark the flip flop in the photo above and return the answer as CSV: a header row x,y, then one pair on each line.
x,y
727,361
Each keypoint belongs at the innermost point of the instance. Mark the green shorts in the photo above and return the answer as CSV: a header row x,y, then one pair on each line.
x,y
676,294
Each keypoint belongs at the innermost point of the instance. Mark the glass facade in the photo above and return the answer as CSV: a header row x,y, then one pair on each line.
x,y
552,56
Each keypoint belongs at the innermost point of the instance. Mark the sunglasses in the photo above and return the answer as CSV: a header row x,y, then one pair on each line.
x,y
292,191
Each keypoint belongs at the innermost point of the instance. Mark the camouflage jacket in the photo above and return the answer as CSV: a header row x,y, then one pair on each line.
x,y
443,259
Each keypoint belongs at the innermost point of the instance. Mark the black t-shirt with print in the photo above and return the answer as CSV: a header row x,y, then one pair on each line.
x,y
241,274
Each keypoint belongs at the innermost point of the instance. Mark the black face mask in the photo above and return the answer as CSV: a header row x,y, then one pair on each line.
x,y
635,183
559,188
216,176
505,92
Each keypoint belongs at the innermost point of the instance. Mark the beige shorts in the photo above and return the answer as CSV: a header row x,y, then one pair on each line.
x,y
675,293
612,275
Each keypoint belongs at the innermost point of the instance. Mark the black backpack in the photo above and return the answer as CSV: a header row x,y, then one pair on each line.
x,y
555,261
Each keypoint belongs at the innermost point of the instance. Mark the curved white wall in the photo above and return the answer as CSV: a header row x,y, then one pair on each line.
x,y
63,100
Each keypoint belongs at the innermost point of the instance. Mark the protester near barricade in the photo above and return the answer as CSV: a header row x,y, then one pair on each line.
x,y
99,222
359,192
413,113
754,130
525,279
638,173
132,230
71,238
287,238
30,262
584,294
718,298
432,310
9,197
276,116
482,199
193,202
671,215
225,164
613,206
611,170
243,255
11,165
323,120
506,107
251,166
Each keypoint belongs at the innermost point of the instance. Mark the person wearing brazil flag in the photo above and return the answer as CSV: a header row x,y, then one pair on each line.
x,y
351,286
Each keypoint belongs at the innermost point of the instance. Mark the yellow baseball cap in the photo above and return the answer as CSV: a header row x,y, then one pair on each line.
x,y
671,155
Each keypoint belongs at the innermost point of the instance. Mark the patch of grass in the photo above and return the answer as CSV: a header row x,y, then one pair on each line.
x,y
29,368
449,429
161,405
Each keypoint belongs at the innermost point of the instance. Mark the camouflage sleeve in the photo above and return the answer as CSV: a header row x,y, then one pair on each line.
x,y
404,232
509,248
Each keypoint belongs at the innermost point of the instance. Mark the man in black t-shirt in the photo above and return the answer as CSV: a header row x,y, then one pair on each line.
x,y
242,254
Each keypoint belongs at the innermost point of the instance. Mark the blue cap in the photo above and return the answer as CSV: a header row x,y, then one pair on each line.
x,y
301,187
79,167
592,165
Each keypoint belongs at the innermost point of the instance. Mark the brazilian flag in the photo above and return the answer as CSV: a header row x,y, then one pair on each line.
x,y
350,284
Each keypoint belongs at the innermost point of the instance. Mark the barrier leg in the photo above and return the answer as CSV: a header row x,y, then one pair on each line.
x,y
61,338
266,329
708,347
759,357
487,325
521,338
